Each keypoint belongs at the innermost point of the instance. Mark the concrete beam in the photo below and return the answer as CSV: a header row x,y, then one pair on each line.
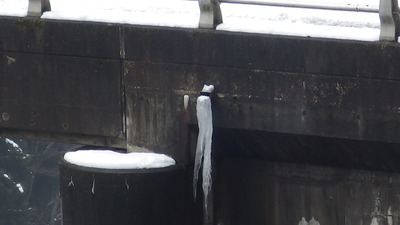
x,y
83,78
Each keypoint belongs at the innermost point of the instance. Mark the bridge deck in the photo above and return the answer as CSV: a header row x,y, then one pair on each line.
x,y
112,84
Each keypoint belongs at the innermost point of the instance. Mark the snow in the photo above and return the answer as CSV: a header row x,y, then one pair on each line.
x,y
301,22
13,7
15,145
370,5
107,159
17,185
237,17
20,188
208,88
171,13
16,148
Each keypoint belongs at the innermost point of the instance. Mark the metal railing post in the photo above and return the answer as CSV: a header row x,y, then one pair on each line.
x,y
37,7
396,17
210,14
389,17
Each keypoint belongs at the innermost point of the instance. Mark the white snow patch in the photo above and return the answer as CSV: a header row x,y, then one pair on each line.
x,y
237,17
13,8
170,13
107,159
300,22
208,88
16,148
11,142
20,188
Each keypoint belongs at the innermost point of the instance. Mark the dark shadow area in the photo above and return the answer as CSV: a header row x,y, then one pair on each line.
x,y
306,149
274,178
29,181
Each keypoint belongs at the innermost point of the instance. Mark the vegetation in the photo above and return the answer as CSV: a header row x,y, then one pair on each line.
x,y
29,181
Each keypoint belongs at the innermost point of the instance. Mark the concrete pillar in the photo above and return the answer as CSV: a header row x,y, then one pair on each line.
x,y
93,196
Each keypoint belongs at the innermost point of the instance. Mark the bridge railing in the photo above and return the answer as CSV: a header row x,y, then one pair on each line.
x,y
37,7
211,15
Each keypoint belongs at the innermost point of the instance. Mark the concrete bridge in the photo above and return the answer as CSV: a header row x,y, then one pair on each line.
x,y
110,84
278,99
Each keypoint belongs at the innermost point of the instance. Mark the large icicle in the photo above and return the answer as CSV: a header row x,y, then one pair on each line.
x,y
203,149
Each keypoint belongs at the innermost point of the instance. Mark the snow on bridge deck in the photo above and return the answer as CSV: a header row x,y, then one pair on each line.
x,y
237,17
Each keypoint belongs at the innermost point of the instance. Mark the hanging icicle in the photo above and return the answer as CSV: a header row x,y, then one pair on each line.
x,y
203,149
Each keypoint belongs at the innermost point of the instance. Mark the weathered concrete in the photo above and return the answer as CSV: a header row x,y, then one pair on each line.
x,y
274,178
157,196
61,81
114,83
63,38
61,94
277,100
259,192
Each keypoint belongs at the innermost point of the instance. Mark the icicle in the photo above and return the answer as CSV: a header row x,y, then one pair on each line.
x,y
126,184
71,183
303,221
185,101
390,216
203,149
313,222
93,184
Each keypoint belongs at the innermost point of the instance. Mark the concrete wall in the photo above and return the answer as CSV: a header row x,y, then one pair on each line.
x,y
105,84
278,100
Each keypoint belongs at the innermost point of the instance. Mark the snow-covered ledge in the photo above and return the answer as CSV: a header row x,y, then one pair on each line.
x,y
107,159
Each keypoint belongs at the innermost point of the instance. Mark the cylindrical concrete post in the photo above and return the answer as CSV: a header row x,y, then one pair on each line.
x,y
92,196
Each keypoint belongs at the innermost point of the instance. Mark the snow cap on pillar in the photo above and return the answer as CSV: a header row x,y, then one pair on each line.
x,y
207,89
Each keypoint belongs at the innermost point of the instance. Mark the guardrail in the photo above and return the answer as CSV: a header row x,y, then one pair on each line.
x,y
37,7
211,15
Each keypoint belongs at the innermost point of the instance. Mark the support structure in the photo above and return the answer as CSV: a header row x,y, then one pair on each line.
x,y
36,8
74,91
387,12
210,14
288,112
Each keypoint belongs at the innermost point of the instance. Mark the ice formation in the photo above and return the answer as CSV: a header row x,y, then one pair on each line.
x,y
303,221
107,159
203,149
